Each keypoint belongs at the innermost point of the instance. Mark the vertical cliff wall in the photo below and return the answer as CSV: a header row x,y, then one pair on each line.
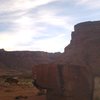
x,y
84,48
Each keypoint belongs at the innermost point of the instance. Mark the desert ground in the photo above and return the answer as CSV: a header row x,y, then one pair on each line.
x,y
24,90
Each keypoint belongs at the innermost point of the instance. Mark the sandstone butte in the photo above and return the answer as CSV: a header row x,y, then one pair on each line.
x,y
84,47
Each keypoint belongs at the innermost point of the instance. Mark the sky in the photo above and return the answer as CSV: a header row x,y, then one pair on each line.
x,y
43,25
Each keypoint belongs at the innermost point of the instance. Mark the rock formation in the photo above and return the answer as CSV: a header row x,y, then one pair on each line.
x,y
80,60
14,62
64,82
84,48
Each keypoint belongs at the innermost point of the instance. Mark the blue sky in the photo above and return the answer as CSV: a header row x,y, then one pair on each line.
x,y
43,25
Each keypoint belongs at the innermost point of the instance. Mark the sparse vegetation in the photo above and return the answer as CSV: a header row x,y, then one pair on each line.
x,y
21,97
24,90
22,80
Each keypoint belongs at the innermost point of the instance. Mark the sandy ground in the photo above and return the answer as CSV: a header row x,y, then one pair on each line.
x,y
15,92
28,92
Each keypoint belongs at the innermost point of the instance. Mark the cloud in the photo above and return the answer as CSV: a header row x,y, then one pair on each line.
x,y
34,25
91,4
50,17
12,5
50,44
53,44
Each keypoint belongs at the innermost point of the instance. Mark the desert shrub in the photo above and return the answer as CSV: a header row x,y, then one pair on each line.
x,y
21,97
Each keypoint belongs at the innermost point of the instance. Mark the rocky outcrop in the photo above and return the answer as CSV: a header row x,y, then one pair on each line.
x,y
23,61
84,48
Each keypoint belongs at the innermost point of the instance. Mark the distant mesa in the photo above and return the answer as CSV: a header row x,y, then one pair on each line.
x,y
2,50
21,62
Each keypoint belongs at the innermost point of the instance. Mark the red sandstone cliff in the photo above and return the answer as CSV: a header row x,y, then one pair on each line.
x,y
84,48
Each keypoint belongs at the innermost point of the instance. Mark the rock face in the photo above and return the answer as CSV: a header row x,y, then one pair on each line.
x,y
64,82
74,79
84,48
23,61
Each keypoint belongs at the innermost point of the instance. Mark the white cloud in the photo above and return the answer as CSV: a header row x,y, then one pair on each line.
x,y
16,5
54,44
91,4
18,42
11,41
48,16
6,40
26,28
81,1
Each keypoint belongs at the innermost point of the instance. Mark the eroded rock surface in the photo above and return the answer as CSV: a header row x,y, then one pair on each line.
x,y
84,47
